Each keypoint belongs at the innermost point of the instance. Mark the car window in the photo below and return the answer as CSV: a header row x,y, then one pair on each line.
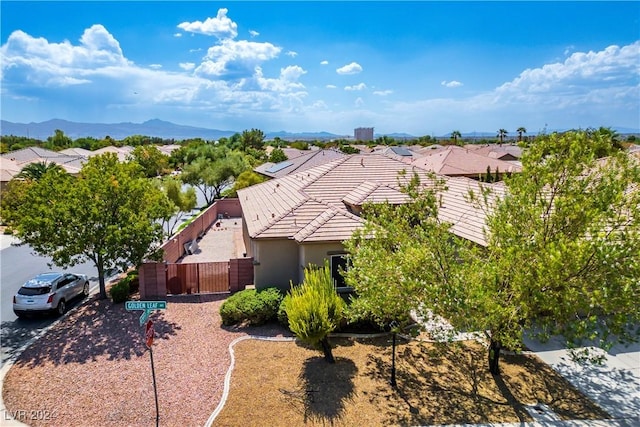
x,y
35,291
63,282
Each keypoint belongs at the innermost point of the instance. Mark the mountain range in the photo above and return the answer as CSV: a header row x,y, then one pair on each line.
x,y
167,130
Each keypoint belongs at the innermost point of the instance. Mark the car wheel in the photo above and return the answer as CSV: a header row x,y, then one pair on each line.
x,y
85,290
61,308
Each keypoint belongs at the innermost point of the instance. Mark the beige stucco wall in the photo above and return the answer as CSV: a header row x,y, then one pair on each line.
x,y
276,262
316,253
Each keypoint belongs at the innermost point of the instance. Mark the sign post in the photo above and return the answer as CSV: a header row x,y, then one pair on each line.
x,y
149,332
146,306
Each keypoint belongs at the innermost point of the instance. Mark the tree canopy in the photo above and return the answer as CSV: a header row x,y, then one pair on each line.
x,y
108,214
563,254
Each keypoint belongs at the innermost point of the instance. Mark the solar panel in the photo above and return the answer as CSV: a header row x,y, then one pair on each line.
x,y
401,151
278,167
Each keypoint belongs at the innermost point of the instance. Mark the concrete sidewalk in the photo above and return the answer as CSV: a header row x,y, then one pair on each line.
x,y
614,385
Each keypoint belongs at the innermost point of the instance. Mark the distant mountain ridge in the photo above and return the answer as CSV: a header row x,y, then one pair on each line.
x,y
167,130
74,130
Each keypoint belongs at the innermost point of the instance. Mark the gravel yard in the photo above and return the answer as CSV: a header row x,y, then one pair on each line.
x,y
93,369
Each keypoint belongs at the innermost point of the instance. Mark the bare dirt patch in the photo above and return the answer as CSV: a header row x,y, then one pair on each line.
x,y
286,384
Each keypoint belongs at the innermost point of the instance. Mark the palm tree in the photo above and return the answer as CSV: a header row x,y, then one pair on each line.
x,y
35,171
502,133
455,135
520,131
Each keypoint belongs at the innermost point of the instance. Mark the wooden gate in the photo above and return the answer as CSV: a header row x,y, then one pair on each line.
x,y
198,278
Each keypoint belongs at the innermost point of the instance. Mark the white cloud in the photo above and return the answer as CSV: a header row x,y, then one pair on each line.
x,y
325,62
291,54
155,66
42,63
236,58
359,86
353,68
177,35
569,49
331,87
253,33
287,81
382,92
452,83
359,102
187,66
612,70
220,26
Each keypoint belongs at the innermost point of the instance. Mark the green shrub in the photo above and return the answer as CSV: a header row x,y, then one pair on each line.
x,y
315,309
134,281
119,291
283,319
251,307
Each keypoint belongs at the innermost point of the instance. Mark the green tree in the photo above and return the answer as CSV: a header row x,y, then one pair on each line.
x,y
212,177
253,138
521,130
109,214
277,156
502,134
455,135
151,159
405,258
180,202
314,309
58,141
35,171
563,253
244,180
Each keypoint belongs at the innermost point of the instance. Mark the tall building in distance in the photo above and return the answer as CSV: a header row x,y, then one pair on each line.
x,y
363,134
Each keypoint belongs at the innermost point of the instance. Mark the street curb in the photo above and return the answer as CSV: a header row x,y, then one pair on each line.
x,y
6,419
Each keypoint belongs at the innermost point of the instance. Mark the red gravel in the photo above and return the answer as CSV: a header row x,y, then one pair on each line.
x,y
93,369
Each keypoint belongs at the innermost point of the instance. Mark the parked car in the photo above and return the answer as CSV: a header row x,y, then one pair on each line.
x,y
49,292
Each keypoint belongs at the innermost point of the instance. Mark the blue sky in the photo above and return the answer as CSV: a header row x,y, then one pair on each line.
x,y
424,68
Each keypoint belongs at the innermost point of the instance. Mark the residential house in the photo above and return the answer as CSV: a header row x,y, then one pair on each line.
x,y
299,163
13,162
458,161
303,218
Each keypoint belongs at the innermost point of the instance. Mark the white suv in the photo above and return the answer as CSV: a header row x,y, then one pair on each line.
x,y
49,292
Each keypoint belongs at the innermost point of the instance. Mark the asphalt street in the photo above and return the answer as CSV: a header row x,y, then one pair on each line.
x,y
17,265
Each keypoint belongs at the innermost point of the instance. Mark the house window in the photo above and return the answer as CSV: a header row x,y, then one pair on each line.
x,y
339,263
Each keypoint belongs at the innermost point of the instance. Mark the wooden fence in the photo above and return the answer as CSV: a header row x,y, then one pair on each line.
x,y
158,280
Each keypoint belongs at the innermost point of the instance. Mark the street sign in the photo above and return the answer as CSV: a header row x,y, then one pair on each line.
x,y
146,307
144,316
149,333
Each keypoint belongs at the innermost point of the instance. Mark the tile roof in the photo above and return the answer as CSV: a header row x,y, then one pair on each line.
x,y
310,206
454,160
300,163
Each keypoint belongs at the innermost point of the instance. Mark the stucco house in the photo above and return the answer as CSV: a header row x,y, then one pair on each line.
x,y
303,218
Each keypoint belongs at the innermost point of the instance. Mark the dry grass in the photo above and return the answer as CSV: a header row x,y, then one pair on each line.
x,y
284,384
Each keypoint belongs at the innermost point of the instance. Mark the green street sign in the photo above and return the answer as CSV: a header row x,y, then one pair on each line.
x,y
146,307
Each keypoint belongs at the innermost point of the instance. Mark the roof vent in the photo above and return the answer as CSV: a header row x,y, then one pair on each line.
x,y
273,215
362,162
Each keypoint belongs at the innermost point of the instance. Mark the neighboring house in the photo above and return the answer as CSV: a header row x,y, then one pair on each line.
x,y
402,153
11,163
458,161
303,218
506,152
8,169
309,159
122,152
